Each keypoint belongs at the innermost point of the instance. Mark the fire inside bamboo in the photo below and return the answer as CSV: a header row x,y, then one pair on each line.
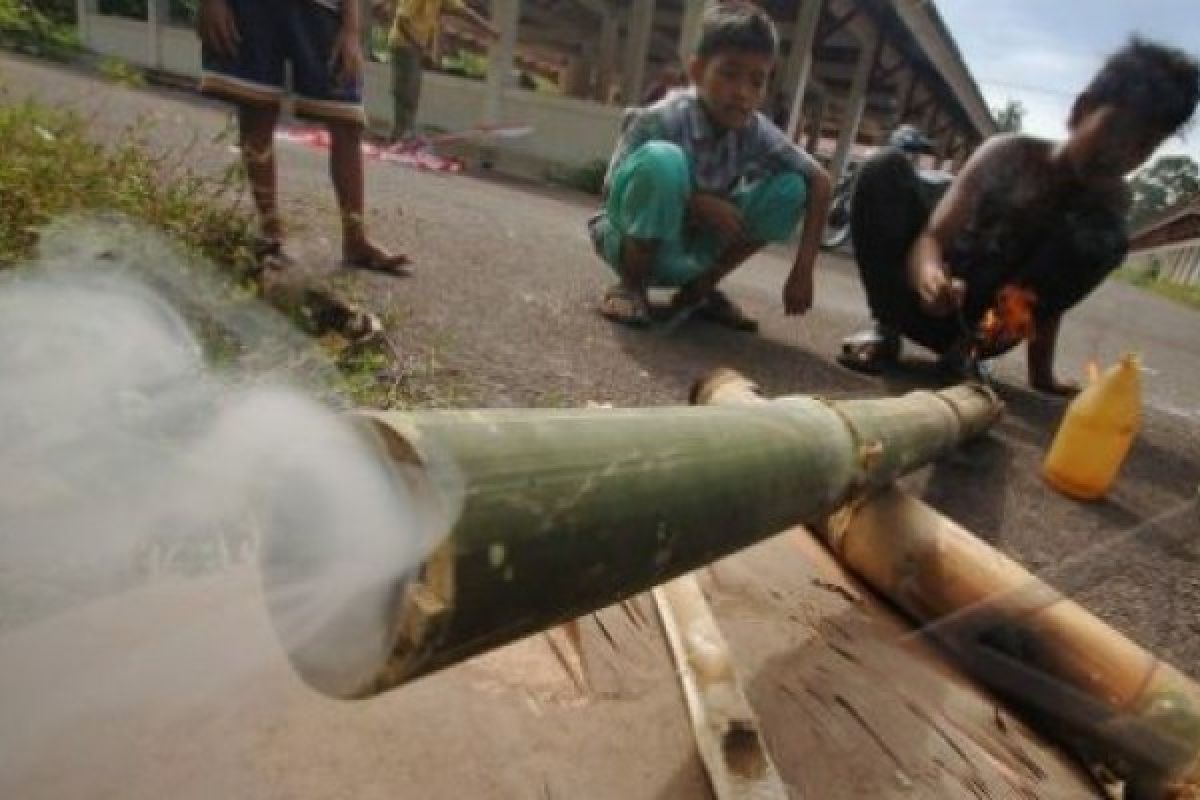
x,y
535,517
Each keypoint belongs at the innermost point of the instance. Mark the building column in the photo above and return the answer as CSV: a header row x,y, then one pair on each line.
x,y
799,64
610,30
83,17
689,27
904,91
856,102
574,77
815,124
637,50
506,16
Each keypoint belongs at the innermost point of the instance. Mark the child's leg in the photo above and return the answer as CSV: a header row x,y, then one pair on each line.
x,y
253,80
771,210
888,212
309,31
256,128
406,89
346,171
642,234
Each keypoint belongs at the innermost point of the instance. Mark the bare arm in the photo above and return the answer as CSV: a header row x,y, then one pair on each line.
x,y
1040,355
927,272
798,289
481,22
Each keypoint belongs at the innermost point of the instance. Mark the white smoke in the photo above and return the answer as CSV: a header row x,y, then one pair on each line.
x,y
132,486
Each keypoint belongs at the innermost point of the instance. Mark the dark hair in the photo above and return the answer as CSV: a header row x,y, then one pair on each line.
x,y
1160,85
737,25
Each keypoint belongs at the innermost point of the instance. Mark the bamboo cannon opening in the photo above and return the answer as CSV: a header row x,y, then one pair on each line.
x,y
529,518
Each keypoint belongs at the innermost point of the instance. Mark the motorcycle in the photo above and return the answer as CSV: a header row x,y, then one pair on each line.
x,y
908,139
837,224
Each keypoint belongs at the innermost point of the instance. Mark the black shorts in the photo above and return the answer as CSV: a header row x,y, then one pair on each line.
x,y
276,34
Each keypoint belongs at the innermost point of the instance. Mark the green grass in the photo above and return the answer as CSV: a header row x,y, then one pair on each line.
x,y
25,29
1185,295
52,166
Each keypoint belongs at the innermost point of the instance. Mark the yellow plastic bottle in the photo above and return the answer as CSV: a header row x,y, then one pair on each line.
x,y
1096,433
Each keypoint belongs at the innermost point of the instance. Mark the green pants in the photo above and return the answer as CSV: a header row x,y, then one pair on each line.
x,y
648,199
406,89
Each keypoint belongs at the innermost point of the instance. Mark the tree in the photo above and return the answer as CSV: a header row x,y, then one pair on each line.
x,y
1010,118
1168,182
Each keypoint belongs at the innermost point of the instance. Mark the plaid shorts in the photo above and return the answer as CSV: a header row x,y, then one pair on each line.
x,y
279,33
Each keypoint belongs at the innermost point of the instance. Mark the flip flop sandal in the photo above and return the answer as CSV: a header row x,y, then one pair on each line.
x,y
718,308
870,351
624,305
269,254
395,265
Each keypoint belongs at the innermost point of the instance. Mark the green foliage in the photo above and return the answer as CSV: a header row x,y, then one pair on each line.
x,y
466,64
1011,118
122,73
26,28
61,12
1149,280
1168,182
183,12
588,178
52,167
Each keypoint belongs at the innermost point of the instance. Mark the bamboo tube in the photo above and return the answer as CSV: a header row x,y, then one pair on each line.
x,y
1028,642
1015,633
727,732
544,515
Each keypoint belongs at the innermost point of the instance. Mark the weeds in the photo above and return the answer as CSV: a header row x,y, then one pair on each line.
x,y
26,29
52,167
1148,280
122,73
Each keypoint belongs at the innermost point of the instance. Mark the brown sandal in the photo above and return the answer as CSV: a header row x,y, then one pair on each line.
x,y
870,351
375,260
269,254
626,306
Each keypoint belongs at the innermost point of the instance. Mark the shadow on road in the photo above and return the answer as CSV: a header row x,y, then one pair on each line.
x,y
694,348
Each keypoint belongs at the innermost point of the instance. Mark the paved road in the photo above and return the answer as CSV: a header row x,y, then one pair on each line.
x,y
505,298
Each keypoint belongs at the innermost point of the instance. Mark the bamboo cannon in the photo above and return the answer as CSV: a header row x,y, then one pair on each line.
x,y
1042,652
540,516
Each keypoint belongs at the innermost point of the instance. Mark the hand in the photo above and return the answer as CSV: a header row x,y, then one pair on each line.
x,y
347,57
719,214
798,292
940,294
217,28
1053,386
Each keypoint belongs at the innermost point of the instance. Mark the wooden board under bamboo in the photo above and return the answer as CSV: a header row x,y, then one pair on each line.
x,y
1015,633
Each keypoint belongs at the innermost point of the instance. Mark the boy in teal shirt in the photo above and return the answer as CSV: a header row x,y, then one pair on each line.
x,y
701,180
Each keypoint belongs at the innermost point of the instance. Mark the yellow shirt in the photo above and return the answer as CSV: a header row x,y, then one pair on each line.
x,y
418,21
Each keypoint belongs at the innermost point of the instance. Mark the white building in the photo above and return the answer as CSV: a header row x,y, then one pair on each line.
x,y
850,71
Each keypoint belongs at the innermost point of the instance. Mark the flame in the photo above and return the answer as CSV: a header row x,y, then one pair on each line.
x,y
1011,318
